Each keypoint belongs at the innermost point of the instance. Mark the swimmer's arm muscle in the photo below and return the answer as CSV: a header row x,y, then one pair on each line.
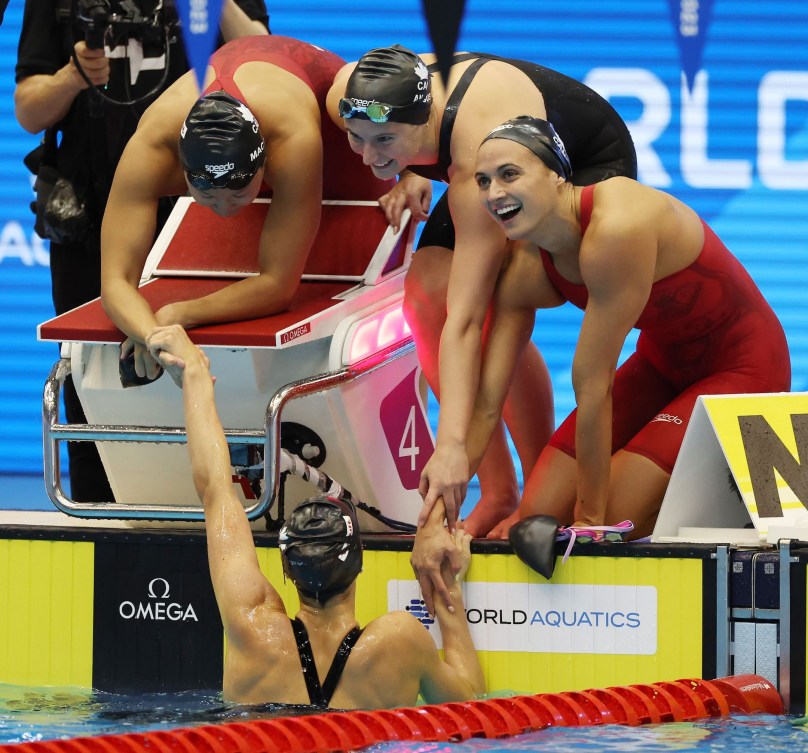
x,y
476,264
459,676
521,289
510,330
617,265
127,233
238,582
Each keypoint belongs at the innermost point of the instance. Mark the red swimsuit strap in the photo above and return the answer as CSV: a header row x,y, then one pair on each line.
x,y
587,197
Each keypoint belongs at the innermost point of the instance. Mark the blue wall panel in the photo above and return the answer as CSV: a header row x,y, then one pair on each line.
x,y
628,49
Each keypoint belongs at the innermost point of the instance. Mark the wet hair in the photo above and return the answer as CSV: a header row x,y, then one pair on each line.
x,y
321,547
392,76
540,137
221,138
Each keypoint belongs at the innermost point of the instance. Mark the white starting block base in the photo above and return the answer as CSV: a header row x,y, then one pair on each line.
x,y
739,472
373,428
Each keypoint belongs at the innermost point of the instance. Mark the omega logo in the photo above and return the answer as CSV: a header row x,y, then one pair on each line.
x,y
158,607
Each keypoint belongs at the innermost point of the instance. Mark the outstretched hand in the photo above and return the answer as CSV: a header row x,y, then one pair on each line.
x,y
410,192
174,350
446,477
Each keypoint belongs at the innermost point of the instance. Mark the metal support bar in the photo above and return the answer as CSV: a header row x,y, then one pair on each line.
x,y
722,624
53,432
784,679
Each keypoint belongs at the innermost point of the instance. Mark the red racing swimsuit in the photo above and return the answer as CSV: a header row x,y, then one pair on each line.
x,y
706,330
344,175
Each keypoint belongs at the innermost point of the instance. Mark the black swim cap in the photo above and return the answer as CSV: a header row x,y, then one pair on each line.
x,y
392,76
221,145
540,137
321,548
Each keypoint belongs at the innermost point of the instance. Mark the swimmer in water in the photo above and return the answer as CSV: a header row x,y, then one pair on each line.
x,y
321,656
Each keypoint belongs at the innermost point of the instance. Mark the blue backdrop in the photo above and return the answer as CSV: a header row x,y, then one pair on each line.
x,y
715,93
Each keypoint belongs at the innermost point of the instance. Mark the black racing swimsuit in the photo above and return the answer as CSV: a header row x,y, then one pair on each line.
x,y
598,142
320,695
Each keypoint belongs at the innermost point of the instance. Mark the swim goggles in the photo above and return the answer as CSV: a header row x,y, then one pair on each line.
x,y
202,180
375,111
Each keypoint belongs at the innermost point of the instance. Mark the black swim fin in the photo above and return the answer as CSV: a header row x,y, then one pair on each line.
x,y
533,541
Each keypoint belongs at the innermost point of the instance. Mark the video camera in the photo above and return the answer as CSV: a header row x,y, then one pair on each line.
x,y
113,22
109,23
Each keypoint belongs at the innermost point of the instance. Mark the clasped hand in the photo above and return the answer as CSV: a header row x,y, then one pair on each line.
x,y
446,475
439,559
173,349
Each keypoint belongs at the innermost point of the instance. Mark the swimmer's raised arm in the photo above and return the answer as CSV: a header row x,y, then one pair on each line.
x,y
459,676
238,582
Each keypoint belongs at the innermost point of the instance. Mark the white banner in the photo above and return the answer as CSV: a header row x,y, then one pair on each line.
x,y
547,618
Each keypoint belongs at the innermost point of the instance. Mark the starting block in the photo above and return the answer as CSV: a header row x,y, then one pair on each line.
x,y
338,364
741,476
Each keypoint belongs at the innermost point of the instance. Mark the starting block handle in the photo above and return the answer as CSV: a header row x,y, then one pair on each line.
x,y
53,432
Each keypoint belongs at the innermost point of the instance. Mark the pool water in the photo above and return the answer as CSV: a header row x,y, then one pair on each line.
x,y
733,734
29,714
33,714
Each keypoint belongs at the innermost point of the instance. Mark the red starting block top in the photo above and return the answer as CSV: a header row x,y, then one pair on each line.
x,y
347,238
90,323
202,253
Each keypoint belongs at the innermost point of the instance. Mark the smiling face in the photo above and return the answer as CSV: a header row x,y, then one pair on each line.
x,y
225,201
516,187
387,148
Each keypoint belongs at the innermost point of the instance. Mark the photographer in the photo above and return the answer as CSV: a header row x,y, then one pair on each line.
x,y
141,57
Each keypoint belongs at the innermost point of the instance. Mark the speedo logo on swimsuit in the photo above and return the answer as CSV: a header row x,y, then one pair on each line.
x,y
219,170
667,418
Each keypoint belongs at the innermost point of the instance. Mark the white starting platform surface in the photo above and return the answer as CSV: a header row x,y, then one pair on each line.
x,y
741,477
338,363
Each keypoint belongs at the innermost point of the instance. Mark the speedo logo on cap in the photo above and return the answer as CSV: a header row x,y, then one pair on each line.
x,y
219,170
363,102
